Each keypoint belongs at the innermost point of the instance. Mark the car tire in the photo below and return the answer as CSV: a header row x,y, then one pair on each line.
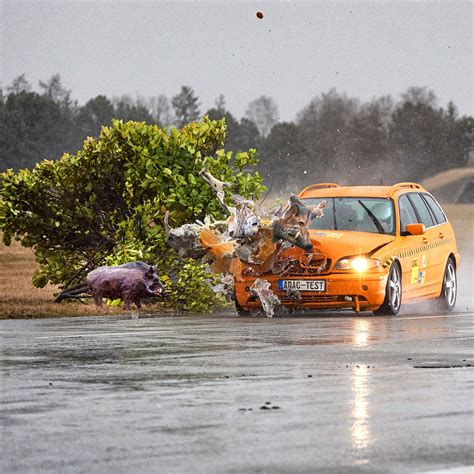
x,y
393,293
241,311
449,287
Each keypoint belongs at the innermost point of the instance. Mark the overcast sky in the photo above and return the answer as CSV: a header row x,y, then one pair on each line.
x,y
297,51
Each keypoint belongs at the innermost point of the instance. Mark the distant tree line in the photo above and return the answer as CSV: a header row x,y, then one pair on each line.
x,y
334,138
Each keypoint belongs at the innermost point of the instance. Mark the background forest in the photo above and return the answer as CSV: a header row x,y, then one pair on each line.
x,y
333,138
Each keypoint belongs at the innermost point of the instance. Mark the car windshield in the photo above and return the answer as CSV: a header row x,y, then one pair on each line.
x,y
359,214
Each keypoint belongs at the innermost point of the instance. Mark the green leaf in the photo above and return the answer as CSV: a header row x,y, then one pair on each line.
x,y
106,203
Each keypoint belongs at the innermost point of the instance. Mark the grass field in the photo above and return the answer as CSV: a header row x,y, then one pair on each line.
x,y
20,299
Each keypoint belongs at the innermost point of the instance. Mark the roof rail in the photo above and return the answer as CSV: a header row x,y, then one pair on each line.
x,y
408,184
318,186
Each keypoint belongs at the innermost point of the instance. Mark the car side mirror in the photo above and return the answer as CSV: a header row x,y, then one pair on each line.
x,y
415,229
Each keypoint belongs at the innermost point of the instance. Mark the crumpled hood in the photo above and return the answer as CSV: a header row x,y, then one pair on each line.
x,y
341,243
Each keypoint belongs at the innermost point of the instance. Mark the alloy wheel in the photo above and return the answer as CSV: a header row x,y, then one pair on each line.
x,y
450,284
395,288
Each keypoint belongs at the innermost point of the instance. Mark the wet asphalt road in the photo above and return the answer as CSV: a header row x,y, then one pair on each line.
x,y
338,393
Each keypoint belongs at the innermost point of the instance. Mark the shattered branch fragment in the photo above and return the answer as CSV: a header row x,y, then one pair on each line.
x,y
216,185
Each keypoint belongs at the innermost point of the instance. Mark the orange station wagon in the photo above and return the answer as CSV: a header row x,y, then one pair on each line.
x,y
374,248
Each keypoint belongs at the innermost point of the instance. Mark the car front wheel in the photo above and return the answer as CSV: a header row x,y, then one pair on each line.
x,y
393,293
239,309
449,288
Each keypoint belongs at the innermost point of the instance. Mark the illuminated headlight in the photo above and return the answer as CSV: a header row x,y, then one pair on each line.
x,y
359,264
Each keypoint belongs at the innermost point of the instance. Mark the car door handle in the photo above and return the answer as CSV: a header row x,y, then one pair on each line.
x,y
425,240
441,235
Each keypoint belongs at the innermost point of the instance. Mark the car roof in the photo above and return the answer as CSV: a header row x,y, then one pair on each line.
x,y
334,190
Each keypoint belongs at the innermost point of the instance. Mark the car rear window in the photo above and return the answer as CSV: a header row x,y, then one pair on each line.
x,y
421,209
435,208
407,213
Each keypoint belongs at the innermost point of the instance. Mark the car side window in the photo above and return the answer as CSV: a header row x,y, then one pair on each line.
x,y
407,213
435,208
421,209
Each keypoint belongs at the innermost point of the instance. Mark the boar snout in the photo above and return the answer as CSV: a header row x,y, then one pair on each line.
x,y
155,286
303,241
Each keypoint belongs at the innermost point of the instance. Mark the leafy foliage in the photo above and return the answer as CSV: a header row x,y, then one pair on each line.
x,y
53,89
334,138
30,124
282,146
263,112
19,84
105,204
342,139
186,106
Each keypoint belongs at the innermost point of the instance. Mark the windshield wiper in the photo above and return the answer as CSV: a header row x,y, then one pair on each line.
x,y
372,216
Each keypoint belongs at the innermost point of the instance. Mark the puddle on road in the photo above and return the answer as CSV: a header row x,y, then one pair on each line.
x,y
30,409
443,366
140,382
356,340
360,335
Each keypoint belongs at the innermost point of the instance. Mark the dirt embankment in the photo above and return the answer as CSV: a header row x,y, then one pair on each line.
x,y
462,219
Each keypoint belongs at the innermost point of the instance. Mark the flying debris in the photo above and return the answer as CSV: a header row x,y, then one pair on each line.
x,y
251,241
262,288
185,239
226,287
216,185
293,295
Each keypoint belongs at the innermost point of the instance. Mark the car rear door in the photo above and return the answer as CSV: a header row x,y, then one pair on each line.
x,y
443,238
410,256
427,258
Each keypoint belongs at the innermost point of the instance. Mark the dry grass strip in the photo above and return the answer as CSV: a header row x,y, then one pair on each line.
x,y
20,299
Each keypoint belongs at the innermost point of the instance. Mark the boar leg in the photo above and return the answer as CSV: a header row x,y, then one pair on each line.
x,y
126,297
97,295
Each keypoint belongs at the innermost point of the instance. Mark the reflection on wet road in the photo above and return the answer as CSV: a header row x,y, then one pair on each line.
x,y
361,332
360,392
211,394
360,411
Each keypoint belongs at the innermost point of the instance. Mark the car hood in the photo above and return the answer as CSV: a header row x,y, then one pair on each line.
x,y
340,243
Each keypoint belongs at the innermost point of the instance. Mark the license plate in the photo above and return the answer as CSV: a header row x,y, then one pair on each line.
x,y
302,285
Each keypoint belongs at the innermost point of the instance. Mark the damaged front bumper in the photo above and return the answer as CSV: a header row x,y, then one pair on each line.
x,y
341,290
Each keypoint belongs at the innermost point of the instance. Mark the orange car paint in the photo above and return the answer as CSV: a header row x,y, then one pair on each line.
x,y
422,258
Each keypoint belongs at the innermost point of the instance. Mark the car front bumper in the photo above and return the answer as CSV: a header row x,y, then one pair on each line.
x,y
343,290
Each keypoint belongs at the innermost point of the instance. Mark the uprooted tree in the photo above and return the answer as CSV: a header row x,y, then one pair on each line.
x,y
106,203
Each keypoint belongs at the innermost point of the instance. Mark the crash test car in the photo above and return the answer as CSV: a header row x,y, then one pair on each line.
x,y
374,248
